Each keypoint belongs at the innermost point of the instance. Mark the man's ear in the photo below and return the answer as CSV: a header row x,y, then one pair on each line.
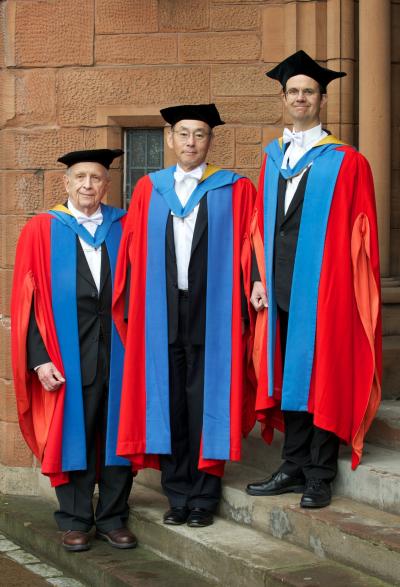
x,y
170,142
66,181
324,100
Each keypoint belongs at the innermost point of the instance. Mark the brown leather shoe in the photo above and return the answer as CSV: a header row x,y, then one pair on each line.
x,y
75,540
120,538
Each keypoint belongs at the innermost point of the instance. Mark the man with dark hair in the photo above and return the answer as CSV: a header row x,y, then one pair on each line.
x,y
67,355
316,270
180,260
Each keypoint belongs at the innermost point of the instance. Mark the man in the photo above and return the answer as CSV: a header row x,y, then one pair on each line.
x,y
316,255
182,396
67,356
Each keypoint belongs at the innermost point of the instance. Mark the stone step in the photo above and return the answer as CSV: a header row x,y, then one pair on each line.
x,y
29,522
376,481
391,367
349,532
234,555
385,429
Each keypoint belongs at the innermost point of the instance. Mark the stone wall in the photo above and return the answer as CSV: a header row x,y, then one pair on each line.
x,y
73,74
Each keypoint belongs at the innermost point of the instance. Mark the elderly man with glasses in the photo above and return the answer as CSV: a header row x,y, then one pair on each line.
x,y
67,356
184,330
317,292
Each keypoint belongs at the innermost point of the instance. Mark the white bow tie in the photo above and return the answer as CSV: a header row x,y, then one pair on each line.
x,y
180,175
96,218
296,138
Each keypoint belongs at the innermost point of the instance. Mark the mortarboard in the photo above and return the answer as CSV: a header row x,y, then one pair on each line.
x,y
103,156
205,112
302,64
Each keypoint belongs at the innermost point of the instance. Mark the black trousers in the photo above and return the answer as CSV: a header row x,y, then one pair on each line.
x,y
308,450
182,482
76,497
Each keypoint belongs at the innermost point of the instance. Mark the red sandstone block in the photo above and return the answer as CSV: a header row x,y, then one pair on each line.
x,y
2,32
251,174
219,47
8,406
222,152
54,33
10,229
7,96
340,106
142,86
248,156
120,16
311,28
54,190
35,97
244,1
40,149
20,192
248,135
273,33
246,111
13,450
5,348
5,291
269,133
231,18
241,80
124,49
183,15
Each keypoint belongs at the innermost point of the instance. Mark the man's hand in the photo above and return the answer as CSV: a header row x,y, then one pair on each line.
x,y
49,376
259,297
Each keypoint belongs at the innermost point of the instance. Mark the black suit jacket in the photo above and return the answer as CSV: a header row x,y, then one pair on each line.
x,y
94,318
285,240
197,278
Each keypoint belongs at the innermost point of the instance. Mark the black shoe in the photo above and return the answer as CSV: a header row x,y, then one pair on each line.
x,y
317,494
278,483
176,516
199,518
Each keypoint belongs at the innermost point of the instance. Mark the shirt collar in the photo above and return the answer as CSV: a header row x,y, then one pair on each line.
x,y
77,213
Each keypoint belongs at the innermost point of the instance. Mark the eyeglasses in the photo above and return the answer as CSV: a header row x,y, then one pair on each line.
x,y
198,135
295,92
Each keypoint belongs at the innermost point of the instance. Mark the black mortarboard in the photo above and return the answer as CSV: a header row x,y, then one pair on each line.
x,y
206,112
301,64
103,156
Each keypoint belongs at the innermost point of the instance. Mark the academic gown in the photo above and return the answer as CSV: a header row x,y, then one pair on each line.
x,y
333,356
144,430
45,275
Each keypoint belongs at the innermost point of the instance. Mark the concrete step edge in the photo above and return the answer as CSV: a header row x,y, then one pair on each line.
x,y
376,481
385,429
233,554
28,521
352,533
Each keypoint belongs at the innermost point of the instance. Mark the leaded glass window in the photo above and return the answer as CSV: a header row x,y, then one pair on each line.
x,y
144,152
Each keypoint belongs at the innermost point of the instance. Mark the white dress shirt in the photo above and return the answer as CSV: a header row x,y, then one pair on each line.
x,y
185,184
93,256
309,138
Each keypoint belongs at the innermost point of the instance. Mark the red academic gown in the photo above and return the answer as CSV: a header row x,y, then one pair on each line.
x,y
40,413
345,386
132,442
